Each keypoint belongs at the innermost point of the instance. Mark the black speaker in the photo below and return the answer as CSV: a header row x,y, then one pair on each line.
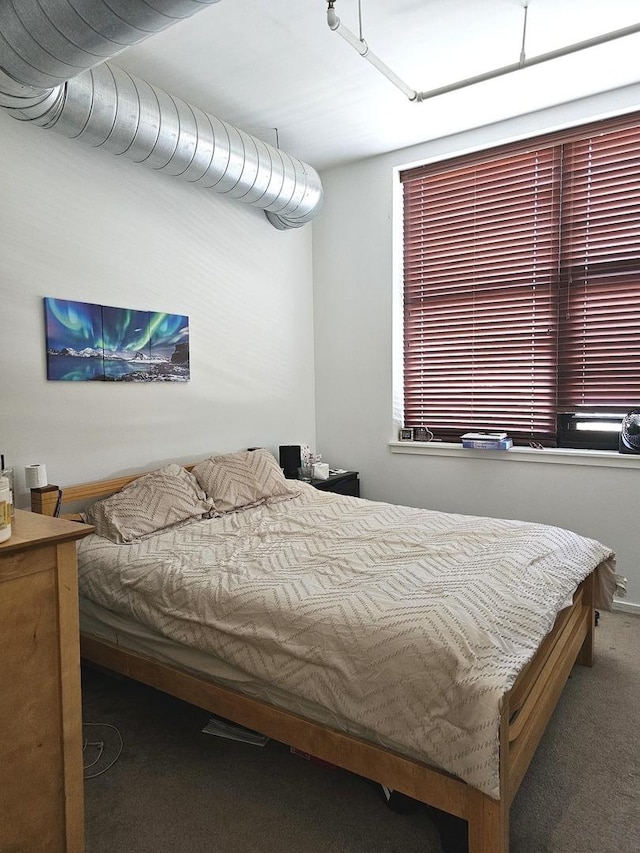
x,y
290,460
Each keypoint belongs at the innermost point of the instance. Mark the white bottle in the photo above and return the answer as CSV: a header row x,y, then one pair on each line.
x,y
5,509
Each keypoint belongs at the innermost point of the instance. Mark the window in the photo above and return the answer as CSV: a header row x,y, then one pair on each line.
x,y
522,287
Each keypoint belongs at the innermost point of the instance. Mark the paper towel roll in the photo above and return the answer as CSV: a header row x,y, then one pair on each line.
x,y
35,476
321,471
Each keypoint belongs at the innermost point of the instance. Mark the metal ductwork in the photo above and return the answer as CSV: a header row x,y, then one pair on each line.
x,y
53,73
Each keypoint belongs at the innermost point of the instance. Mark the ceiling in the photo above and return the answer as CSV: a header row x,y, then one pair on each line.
x,y
270,67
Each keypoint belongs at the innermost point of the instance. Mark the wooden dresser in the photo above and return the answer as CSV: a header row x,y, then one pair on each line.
x,y
41,785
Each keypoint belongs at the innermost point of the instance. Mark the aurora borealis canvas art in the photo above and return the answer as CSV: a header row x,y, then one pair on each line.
x,y
87,342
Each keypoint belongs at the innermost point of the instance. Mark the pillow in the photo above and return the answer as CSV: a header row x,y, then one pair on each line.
x,y
151,503
238,480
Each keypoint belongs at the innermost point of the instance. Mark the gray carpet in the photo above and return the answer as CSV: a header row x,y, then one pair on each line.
x,y
174,789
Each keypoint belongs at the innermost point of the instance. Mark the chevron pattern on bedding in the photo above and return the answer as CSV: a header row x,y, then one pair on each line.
x,y
408,622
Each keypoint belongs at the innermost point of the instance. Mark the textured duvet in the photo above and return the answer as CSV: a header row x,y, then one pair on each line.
x,y
410,623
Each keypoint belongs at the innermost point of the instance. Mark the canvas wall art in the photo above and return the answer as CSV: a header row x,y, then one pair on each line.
x,y
87,342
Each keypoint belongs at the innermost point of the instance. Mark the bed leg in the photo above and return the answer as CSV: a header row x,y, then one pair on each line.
x,y
488,825
488,819
585,655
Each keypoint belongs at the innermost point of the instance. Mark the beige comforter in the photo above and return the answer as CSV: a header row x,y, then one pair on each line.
x,y
411,623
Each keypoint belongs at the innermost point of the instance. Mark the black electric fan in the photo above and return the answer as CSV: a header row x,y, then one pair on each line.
x,y
630,432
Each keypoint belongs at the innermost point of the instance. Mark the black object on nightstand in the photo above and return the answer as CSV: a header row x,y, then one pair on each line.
x,y
342,484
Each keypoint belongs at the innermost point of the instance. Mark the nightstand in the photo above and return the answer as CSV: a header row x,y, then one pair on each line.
x,y
342,484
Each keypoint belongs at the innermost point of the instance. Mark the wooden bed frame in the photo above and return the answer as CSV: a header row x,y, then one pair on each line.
x,y
526,710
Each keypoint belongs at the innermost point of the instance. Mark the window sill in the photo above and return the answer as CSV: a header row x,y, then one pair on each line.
x,y
553,455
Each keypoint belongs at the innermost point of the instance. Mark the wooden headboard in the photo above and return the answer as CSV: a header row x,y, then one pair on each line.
x,y
48,499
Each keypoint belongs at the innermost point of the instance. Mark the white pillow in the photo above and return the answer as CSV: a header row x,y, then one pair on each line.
x,y
238,480
151,503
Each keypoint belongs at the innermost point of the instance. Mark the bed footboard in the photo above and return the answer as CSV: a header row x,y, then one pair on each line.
x,y
525,714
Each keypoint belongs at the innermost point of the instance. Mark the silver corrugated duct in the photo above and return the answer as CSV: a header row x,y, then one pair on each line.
x,y
54,40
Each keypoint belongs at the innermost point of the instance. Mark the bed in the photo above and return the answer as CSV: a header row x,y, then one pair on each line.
x,y
422,650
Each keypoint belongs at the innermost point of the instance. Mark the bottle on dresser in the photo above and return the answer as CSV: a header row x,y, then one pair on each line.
x,y
5,509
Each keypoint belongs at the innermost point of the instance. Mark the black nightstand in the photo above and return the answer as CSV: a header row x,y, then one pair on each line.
x,y
342,484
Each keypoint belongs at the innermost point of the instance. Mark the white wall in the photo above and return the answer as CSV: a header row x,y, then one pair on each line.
x,y
353,297
77,223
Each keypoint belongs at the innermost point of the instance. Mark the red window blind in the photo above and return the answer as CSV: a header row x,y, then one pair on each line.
x,y
519,285
481,246
599,366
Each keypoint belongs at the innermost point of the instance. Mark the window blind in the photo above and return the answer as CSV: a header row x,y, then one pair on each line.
x,y
480,256
521,285
599,365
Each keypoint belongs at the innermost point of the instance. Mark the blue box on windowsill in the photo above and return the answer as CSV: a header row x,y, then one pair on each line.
x,y
478,441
